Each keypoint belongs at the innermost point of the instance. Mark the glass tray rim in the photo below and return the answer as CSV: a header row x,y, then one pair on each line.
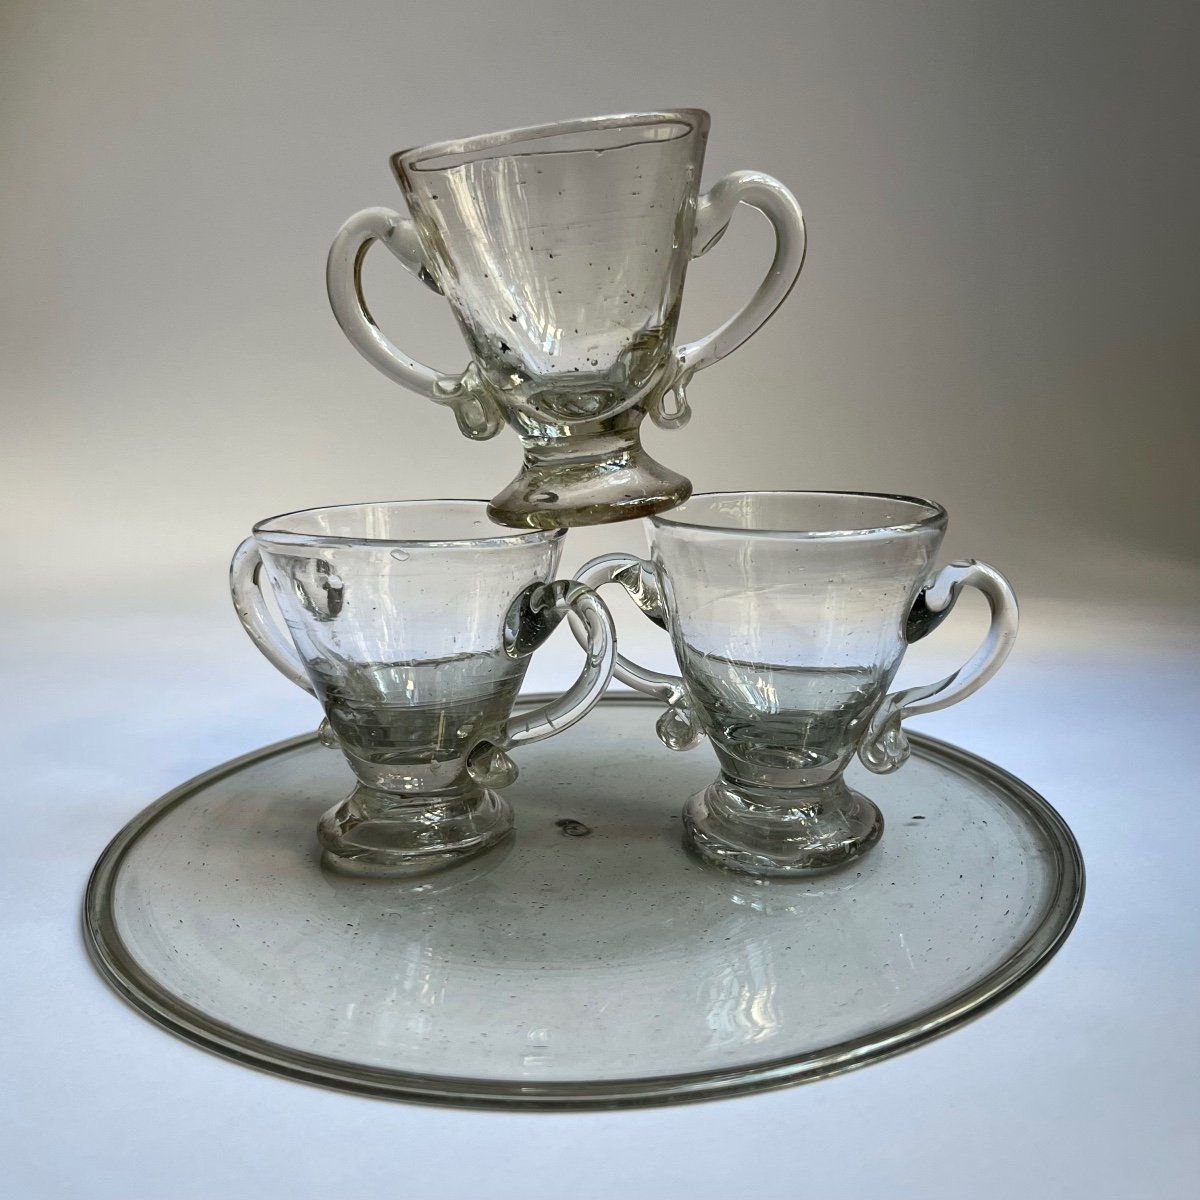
x,y
138,988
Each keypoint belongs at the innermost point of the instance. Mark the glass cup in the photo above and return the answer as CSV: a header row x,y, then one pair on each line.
x,y
413,623
789,613
562,250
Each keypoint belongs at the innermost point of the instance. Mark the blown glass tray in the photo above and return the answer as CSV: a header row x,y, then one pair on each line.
x,y
589,961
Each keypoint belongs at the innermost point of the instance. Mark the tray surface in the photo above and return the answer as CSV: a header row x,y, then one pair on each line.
x,y
589,961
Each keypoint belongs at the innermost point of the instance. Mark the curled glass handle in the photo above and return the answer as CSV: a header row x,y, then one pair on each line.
x,y
534,615
245,584
533,618
714,211
885,747
677,728
478,416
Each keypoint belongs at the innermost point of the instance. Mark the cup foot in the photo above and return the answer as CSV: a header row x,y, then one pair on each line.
x,y
770,832
589,491
374,834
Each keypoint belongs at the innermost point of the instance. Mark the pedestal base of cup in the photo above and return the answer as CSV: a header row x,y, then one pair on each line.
x,y
588,481
383,835
776,832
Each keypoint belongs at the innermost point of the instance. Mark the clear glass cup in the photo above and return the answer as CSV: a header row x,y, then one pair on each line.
x,y
413,624
789,614
562,250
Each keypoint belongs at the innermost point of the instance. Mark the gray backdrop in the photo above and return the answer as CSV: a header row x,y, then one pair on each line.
x,y
999,308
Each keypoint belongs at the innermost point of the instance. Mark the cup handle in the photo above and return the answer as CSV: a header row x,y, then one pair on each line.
x,y
714,211
531,620
245,583
677,728
478,416
885,747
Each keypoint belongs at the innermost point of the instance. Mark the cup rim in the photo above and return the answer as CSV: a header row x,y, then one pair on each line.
x,y
936,516
695,119
285,537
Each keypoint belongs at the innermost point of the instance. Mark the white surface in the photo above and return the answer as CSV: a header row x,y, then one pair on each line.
x,y
1082,1085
